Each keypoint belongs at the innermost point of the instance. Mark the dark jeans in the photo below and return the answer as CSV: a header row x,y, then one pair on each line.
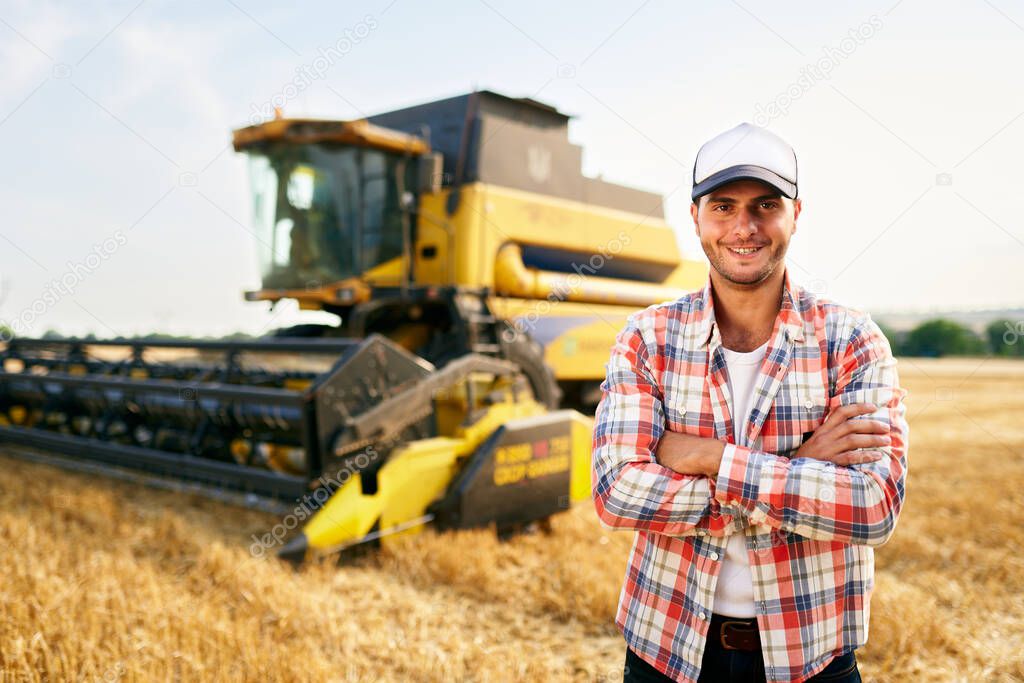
x,y
720,665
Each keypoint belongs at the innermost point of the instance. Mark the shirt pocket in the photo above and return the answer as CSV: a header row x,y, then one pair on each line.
x,y
683,405
799,409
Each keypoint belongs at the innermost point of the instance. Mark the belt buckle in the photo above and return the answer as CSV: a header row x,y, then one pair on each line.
x,y
744,626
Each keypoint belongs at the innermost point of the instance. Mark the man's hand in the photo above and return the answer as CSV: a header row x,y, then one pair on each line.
x,y
835,441
688,454
836,438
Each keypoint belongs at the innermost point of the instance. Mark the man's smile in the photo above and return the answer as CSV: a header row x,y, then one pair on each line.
x,y
745,252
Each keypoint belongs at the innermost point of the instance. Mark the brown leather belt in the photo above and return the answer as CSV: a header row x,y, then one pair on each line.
x,y
734,634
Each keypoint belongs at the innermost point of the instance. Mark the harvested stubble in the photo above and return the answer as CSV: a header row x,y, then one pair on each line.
x,y
100,580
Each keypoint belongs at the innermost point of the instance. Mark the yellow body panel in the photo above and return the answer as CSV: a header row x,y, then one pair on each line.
x,y
413,477
422,473
436,229
348,515
489,216
582,441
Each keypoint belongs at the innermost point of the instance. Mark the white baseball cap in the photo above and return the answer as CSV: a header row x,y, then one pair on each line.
x,y
745,152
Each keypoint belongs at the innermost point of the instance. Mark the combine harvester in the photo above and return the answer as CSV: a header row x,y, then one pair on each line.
x,y
479,279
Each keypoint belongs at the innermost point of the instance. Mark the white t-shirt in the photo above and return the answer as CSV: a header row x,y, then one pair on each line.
x,y
734,593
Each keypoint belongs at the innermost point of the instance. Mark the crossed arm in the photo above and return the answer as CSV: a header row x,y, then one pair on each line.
x,y
648,479
632,489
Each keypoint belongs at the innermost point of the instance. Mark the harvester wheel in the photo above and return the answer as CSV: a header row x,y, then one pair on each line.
x,y
528,354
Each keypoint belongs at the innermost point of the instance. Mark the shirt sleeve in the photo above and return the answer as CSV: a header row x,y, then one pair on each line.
x,y
859,504
631,490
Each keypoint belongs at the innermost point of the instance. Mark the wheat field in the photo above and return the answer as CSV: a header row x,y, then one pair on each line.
x,y
104,581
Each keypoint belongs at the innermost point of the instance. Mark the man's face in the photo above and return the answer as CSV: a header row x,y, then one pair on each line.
x,y
744,228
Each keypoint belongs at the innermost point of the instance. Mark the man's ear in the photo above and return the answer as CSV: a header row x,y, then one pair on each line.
x,y
797,206
693,212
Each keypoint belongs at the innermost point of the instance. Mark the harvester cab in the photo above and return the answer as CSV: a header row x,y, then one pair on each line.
x,y
332,207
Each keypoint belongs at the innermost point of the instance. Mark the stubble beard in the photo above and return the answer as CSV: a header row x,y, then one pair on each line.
x,y
717,259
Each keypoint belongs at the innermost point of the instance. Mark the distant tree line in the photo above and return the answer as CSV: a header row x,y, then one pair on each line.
x,y
7,333
932,338
941,337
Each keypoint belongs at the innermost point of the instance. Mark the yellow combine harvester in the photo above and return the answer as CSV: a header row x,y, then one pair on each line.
x,y
479,280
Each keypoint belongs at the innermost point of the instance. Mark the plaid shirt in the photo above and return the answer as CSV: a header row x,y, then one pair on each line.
x,y
810,526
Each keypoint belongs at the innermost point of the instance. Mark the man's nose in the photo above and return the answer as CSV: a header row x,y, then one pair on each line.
x,y
746,223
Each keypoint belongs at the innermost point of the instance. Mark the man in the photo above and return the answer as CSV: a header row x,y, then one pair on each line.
x,y
754,438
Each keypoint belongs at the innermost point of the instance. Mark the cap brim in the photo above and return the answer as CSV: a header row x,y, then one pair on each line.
x,y
746,172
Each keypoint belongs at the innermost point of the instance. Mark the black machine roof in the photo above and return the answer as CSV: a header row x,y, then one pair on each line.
x,y
515,142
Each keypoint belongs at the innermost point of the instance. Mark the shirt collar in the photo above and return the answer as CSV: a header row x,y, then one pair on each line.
x,y
789,317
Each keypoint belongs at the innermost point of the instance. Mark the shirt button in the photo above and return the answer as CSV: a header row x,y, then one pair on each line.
x,y
764,608
713,556
703,615
682,411
808,404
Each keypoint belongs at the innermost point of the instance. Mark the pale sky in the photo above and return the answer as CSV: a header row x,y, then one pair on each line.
x,y
115,121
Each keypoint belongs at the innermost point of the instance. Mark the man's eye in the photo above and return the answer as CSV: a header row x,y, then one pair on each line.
x,y
769,205
720,206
